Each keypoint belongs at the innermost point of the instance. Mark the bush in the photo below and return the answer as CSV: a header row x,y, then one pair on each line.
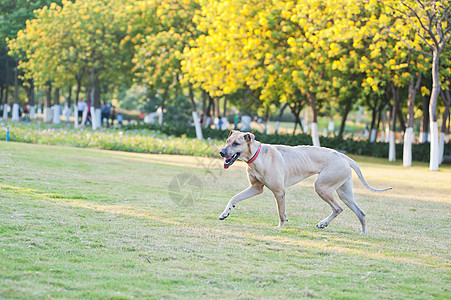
x,y
177,139
420,152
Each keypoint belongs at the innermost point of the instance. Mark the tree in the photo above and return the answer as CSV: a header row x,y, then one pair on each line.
x,y
82,40
431,23
158,54
14,14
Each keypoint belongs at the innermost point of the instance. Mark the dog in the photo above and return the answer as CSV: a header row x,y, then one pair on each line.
x,y
278,167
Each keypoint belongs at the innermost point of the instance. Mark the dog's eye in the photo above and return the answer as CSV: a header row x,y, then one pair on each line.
x,y
235,144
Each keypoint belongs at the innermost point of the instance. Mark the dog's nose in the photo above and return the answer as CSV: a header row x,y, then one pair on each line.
x,y
223,153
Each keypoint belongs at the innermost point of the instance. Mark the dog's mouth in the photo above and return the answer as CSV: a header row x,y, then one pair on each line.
x,y
228,161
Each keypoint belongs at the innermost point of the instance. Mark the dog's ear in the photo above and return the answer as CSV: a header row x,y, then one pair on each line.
x,y
231,132
249,137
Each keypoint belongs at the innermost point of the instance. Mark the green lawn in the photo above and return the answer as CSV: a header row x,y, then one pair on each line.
x,y
84,223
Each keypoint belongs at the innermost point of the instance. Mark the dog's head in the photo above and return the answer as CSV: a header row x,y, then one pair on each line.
x,y
237,144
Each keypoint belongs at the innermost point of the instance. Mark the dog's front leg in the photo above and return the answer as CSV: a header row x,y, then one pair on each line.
x,y
251,191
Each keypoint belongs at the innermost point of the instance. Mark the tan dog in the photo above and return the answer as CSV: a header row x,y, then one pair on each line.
x,y
278,167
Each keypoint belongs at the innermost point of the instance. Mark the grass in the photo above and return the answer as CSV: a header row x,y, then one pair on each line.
x,y
86,223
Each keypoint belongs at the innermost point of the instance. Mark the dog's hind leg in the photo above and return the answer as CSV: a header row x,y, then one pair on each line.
x,y
346,194
280,200
326,192
255,189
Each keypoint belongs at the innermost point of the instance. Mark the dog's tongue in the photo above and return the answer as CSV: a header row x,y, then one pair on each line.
x,y
225,165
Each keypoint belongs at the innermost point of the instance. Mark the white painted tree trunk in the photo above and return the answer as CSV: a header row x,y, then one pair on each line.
x,y
76,124
331,127
246,123
5,112
6,109
33,112
315,135
434,161
48,114
441,147
56,114
197,126
95,118
423,138
160,118
67,112
225,123
392,146
98,113
387,133
373,135
84,116
15,116
407,155
207,122
276,128
266,130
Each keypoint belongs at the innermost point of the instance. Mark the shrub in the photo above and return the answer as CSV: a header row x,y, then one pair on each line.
x,y
176,139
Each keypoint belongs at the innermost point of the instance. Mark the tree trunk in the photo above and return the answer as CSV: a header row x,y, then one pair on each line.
x,y
378,124
204,103
217,113
95,100
195,116
15,115
296,111
207,121
279,118
434,156
225,107
2,93
409,134
402,123
315,136
31,101
6,102
57,107
68,105
266,130
444,128
69,97
48,103
392,134
343,119
77,98
374,115
424,133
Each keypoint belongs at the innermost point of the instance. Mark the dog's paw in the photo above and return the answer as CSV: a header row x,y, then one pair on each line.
x,y
322,225
223,216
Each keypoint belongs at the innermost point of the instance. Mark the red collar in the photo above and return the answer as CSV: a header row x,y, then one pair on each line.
x,y
255,155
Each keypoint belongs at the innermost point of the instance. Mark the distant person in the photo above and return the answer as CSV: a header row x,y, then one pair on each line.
x,y
237,120
113,114
26,111
219,122
81,106
106,113
120,119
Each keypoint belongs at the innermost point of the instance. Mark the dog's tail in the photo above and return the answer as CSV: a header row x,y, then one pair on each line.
x,y
356,169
